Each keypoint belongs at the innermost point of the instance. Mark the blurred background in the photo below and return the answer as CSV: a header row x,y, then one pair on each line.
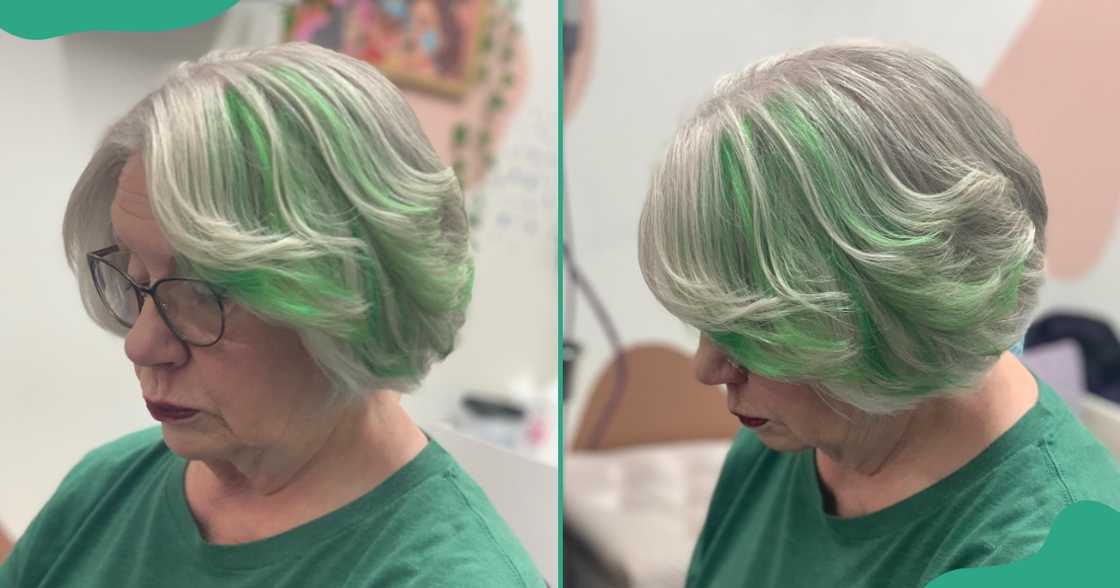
x,y
485,92
643,440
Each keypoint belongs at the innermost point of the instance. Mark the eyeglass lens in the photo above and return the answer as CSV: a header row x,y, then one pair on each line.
x,y
190,307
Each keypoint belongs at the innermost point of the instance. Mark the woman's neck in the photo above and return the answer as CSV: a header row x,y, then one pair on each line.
x,y
900,456
285,487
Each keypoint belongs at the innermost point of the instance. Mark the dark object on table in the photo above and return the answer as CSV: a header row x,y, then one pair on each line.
x,y
492,408
1099,345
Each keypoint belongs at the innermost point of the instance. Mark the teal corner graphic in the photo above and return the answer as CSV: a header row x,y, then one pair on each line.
x,y
44,19
1081,551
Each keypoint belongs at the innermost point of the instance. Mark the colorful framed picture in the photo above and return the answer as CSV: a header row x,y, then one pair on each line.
x,y
432,45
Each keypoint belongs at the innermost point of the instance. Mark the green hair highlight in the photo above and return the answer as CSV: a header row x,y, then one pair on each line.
x,y
819,236
299,183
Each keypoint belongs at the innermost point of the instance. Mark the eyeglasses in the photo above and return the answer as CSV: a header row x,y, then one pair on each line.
x,y
191,309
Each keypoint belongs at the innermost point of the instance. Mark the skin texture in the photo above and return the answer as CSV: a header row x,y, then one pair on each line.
x,y
267,451
871,462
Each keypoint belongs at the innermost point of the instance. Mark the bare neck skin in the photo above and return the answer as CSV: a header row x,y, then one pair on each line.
x,y
267,491
897,457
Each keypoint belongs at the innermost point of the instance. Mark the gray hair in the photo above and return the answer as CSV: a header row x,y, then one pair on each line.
x,y
855,217
299,181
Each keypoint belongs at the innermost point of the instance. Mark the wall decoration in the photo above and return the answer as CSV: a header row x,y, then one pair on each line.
x,y
464,97
429,44
1050,84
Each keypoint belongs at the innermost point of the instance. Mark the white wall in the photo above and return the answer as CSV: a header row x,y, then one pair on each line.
x,y
68,386
1095,293
653,63
509,344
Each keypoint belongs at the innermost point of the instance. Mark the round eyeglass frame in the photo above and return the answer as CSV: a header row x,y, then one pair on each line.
x,y
98,256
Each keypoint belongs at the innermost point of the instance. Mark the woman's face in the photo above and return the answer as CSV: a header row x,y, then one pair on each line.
x,y
256,389
786,417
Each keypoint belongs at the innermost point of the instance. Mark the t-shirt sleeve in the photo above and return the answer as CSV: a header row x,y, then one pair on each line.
x,y
46,536
34,550
14,569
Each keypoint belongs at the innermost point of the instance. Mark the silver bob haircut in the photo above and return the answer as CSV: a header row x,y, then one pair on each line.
x,y
854,217
299,181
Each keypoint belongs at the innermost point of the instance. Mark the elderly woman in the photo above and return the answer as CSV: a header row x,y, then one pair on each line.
x,y
284,253
859,240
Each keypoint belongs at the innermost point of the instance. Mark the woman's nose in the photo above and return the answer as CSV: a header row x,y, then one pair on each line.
x,y
150,342
712,366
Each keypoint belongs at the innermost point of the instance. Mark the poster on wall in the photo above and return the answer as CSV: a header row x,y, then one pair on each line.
x,y
432,45
462,65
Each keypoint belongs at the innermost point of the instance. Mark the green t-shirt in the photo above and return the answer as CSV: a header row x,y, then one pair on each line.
x,y
767,526
120,519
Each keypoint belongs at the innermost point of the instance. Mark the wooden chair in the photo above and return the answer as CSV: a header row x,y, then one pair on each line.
x,y
660,402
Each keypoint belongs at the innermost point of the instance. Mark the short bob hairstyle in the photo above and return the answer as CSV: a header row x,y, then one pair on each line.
x,y
853,217
299,182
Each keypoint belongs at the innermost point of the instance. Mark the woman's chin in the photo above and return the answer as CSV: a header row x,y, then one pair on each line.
x,y
188,443
780,442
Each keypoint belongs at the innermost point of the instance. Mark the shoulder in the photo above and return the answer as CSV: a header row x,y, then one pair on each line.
x,y
114,462
1059,461
112,465
1025,494
454,534
125,449
108,472
1080,465
108,463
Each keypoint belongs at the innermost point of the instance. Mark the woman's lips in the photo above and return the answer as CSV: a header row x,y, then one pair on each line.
x,y
164,412
752,422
